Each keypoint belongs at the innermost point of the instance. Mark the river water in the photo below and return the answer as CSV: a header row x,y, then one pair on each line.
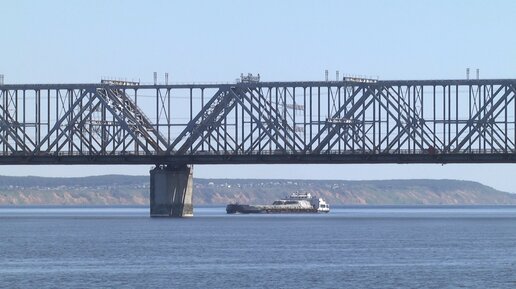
x,y
351,247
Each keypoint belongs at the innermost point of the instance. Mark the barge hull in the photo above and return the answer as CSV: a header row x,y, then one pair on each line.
x,y
248,209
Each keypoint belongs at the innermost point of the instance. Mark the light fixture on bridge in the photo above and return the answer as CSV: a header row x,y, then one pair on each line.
x,y
336,120
119,82
362,79
249,78
1,79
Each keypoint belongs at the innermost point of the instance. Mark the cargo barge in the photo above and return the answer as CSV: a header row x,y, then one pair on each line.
x,y
295,203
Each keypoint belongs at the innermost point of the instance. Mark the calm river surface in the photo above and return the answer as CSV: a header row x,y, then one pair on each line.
x,y
351,247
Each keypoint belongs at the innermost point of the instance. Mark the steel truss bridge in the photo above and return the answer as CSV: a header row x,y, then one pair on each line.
x,y
421,121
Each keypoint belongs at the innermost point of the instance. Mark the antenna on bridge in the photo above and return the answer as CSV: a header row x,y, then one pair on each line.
x,y
326,74
467,73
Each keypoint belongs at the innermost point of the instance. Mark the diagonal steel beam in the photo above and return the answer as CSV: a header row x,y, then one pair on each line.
x,y
12,124
135,117
205,111
410,123
488,114
227,138
120,117
272,123
10,128
68,131
4,140
471,122
280,120
60,122
210,123
348,115
239,98
327,126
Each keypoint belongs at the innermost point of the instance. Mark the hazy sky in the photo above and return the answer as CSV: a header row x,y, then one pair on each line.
x,y
195,41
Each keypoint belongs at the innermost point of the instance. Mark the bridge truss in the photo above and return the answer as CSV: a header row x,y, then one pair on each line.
x,y
441,121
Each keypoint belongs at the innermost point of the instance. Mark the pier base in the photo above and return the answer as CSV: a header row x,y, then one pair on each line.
x,y
171,191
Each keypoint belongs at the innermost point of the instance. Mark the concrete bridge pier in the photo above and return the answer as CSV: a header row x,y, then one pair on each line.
x,y
171,191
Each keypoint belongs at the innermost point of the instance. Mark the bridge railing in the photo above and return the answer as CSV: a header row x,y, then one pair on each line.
x,y
256,152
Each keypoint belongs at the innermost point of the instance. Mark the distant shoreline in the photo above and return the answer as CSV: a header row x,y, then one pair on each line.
x,y
133,191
